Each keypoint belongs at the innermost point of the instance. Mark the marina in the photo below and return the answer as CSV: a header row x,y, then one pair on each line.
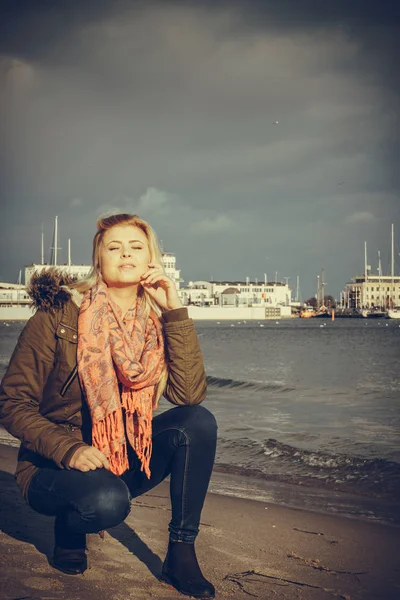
x,y
365,296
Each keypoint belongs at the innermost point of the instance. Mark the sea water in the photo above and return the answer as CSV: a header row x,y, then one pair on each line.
x,y
308,411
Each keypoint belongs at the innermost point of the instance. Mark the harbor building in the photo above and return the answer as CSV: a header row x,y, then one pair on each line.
x,y
367,292
274,298
15,304
75,271
169,262
370,292
236,293
13,293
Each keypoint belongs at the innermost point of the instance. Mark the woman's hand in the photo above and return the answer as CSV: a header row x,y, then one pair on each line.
x,y
160,287
88,458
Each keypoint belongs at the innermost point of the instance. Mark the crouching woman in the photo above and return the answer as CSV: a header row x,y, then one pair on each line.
x,y
80,390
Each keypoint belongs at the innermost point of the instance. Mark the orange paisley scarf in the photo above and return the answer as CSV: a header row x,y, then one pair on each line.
x,y
129,352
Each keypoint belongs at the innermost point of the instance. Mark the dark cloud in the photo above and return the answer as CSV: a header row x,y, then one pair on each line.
x,y
170,108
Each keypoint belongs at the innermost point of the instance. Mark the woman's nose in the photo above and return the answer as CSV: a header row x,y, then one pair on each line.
x,y
126,252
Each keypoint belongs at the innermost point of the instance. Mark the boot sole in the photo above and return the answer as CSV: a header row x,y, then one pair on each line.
x,y
165,579
77,571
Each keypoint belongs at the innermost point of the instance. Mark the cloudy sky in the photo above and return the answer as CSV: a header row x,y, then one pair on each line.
x,y
255,136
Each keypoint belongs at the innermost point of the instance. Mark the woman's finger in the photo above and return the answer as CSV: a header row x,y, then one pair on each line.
x,y
102,458
88,460
154,279
94,460
82,468
151,272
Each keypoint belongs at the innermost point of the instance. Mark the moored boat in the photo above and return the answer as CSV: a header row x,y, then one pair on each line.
x,y
307,312
374,314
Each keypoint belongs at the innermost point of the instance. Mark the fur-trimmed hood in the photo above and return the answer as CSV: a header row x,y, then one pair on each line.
x,y
49,289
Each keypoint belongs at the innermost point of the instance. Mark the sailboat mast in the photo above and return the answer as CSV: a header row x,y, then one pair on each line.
x,y
69,252
392,292
392,270
55,240
42,248
322,288
379,277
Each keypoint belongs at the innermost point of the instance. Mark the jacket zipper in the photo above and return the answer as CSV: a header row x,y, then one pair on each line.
x,y
69,381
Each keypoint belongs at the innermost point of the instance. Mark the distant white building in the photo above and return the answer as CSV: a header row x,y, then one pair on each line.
x,y
15,304
12,294
173,273
236,294
77,271
372,291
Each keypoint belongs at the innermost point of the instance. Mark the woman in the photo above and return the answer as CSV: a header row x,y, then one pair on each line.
x,y
87,372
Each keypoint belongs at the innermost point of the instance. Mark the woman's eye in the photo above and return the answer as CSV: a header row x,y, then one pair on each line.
x,y
112,248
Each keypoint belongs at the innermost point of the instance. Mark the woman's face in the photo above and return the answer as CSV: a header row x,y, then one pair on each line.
x,y
124,255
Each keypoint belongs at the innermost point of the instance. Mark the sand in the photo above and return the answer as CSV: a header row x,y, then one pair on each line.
x,y
248,549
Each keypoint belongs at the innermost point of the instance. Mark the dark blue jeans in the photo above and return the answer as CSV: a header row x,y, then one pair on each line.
x,y
184,441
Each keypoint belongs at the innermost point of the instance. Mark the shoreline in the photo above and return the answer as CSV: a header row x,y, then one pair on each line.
x,y
317,500
228,482
244,547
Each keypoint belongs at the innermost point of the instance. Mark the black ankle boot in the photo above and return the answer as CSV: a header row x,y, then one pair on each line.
x,y
182,570
70,561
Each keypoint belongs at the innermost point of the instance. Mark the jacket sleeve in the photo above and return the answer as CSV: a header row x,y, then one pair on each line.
x,y
186,382
22,388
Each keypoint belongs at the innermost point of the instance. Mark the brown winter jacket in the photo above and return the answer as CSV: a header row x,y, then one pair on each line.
x,y
41,402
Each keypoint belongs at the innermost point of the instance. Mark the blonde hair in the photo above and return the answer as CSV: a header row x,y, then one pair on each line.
x,y
105,223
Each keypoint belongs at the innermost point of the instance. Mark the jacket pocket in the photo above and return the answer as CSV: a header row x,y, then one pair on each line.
x,y
68,381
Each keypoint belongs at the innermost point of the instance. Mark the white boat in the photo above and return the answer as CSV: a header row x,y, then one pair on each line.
x,y
15,304
374,314
394,313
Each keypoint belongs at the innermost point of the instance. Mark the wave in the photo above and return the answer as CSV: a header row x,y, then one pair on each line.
x,y
256,386
274,460
274,449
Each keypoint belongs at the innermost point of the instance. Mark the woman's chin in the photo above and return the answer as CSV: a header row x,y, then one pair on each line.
x,y
126,281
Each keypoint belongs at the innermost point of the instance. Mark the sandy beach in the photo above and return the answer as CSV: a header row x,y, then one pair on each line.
x,y
249,549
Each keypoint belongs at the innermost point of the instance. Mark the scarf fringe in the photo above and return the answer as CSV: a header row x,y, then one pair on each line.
x,y
139,424
106,434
